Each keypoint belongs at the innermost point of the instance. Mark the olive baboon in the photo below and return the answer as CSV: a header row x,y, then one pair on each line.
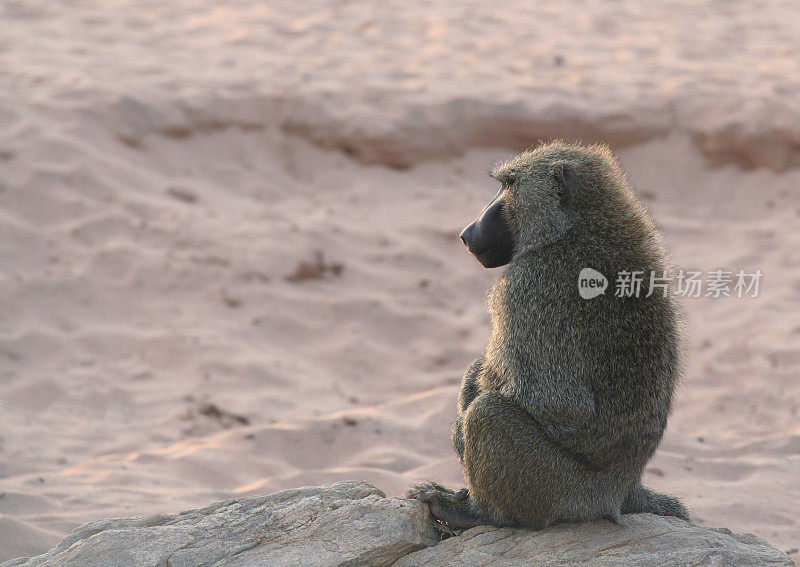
x,y
570,399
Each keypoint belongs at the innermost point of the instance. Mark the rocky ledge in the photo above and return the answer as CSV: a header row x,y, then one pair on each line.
x,y
353,523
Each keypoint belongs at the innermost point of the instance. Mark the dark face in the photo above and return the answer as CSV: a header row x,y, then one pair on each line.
x,y
489,238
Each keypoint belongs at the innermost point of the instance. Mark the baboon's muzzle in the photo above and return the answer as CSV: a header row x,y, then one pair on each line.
x,y
489,238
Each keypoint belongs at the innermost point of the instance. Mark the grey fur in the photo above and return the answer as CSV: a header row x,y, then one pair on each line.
x,y
570,400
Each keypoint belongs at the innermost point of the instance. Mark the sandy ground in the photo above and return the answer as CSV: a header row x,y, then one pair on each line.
x,y
229,260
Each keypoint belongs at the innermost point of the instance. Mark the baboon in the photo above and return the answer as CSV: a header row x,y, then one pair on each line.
x,y
558,418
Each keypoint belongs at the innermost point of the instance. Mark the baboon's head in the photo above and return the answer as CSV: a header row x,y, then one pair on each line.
x,y
543,193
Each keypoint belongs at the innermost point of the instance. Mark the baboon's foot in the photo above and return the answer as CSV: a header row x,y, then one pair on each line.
x,y
461,494
454,511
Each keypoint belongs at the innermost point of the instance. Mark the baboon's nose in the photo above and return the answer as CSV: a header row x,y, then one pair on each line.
x,y
466,233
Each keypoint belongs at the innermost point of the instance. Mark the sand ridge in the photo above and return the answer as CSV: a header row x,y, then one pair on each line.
x,y
397,82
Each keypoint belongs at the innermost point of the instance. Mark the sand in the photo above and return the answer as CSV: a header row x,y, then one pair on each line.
x,y
229,260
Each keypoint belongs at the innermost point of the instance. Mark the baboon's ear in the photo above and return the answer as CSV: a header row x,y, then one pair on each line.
x,y
562,175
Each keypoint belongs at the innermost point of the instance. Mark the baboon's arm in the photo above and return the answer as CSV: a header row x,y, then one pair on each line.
x,y
457,436
469,385
469,391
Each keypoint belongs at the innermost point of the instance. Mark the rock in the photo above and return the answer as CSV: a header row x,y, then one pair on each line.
x,y
349,523
644,540
352,523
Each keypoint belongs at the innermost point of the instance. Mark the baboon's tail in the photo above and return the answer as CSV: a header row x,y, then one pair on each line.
x,y
641,499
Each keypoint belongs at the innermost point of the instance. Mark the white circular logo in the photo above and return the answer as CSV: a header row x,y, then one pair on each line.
x,y
591,283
